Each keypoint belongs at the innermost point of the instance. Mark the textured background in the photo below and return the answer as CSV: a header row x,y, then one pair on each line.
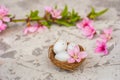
x,y
26,57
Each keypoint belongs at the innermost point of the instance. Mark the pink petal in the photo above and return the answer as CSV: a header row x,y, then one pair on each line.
x,y
71,52
105,52
99,43
83,54
2,26
56,14
42,28
59,17
78,60
78,25
108,31
25,31
98,49
103,37
76,49
1,22
32,29
48,9
71,60
90,36
6,19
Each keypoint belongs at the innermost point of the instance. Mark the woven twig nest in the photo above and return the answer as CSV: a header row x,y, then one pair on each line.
x,y
64,65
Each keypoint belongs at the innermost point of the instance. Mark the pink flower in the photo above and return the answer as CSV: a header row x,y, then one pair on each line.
x,y
4,14
87,28
34,28
42,28
2,26
76,55
56,14
106,36
84,23
101,47
48,9
30,29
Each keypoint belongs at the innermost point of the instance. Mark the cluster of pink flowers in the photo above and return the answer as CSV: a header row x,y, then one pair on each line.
x,y
101,45
87,28
3,18
56,14
34,28
76,55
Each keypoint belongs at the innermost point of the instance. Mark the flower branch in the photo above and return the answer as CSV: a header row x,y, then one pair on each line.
x,y
52,16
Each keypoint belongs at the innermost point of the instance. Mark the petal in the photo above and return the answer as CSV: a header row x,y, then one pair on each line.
x,y
98,43
71,60
25,31
3,26
48,9
87,31
103,36
98,49
108,31
33,29
105,52
76,49
59,17
71,52
42,28
78,60
1,22
90,36
83,54
6,19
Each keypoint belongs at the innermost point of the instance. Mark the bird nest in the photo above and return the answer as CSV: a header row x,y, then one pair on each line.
x,y
64,65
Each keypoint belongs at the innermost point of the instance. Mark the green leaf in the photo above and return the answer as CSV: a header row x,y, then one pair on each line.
x,y
93,14
34,14
101,12
92,10
75,19
46,23
65,11
63,23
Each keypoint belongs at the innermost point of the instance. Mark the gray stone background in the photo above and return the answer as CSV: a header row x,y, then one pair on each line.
x,y
26,57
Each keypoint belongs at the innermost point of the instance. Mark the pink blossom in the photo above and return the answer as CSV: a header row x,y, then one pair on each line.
x,y
84,23
87,28
76,55
101,47
106,35
2,26
4,14
34,28
48,9
42,28
56,14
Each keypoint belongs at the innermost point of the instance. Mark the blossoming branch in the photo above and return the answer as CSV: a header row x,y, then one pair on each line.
x,y
51,16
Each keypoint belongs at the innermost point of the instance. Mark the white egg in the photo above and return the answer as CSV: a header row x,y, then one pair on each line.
x,y
63,56
60,46
71,46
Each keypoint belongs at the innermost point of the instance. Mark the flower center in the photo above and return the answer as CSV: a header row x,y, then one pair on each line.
x,y
102,48
75,56
86,24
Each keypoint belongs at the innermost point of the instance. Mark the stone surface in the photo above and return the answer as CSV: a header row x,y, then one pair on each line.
x,y
26,57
